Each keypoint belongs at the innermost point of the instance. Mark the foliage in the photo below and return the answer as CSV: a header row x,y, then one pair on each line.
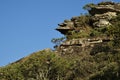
x,y
47,65
109,72
114,31
81,26
99,32
57,41
77,35
99,62
82,21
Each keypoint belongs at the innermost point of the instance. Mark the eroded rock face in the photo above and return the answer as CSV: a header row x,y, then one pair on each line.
x,y
104,7
84,41
100,20
107,16
101,23
80,45
100,16
103,12
66,26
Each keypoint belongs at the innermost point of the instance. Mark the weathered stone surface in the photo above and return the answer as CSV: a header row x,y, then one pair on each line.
x,y
102,23
72,42
66,26
104,12
107,16
105,7
84,42
101,14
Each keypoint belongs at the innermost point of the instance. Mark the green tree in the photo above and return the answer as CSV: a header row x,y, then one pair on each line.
x,y
57,41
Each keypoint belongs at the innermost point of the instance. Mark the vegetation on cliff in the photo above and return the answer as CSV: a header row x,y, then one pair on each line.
x,y
89,51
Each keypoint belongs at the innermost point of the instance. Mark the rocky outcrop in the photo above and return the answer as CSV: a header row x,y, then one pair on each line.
x,y
99,19
103,19
101,23
104,7
70,46
65,27
107,16
103,12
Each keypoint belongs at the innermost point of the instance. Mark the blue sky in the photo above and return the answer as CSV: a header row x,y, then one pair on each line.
x,y
27,26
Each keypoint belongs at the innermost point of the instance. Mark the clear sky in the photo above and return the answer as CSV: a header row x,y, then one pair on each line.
x,y
27,26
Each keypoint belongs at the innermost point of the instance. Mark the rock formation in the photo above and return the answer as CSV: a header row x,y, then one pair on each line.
x,y
103,12
98,21
90,50
66,26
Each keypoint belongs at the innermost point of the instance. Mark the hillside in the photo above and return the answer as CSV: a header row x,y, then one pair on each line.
x,y
89,49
